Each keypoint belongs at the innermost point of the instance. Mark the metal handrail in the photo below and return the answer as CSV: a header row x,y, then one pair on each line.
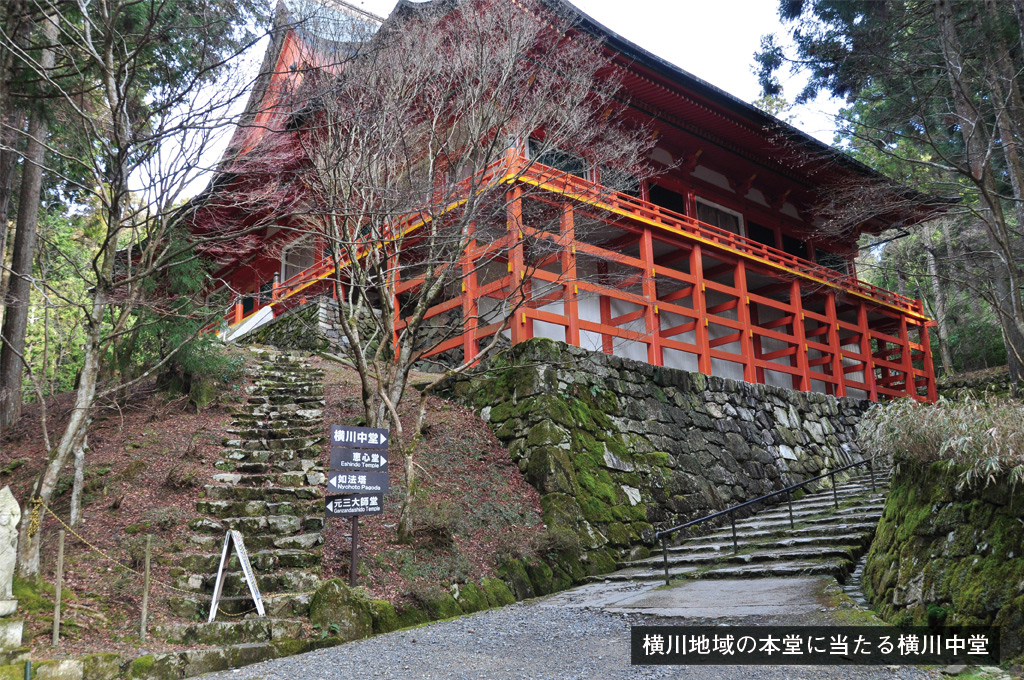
x,y
665,533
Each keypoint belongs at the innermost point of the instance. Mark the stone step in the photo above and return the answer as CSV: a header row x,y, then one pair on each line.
x,y
261,560
751,555
309,540
248,467
299,417
284,443
282,400
222,633
297,478
763,521
286,389
823,532
277,605
266,493
274,525
803,515
837,568
282,581
256,508
278,430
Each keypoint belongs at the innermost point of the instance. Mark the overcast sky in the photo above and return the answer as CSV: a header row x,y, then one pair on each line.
x,y
714,40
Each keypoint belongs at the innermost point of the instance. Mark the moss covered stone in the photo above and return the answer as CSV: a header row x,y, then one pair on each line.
x,y
101,666
337,609
542,578
498,593
440,604
411,615
470,598
156,667
958,553
514,574
385,618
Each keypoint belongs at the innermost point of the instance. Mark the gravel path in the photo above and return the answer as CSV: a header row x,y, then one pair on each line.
x,y
537,640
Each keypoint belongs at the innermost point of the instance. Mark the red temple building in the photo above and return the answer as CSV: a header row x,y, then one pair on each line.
x,y
721,266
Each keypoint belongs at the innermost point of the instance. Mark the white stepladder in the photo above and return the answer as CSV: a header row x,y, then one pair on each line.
x,y
233,536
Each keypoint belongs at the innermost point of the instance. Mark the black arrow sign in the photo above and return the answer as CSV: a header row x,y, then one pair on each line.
x,y
356,459
357,482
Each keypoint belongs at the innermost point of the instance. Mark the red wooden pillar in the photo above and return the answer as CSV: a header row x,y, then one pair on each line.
x,y
907,359
238,311
743,314
520,327
652,323
604,304
803,380
700,307
865,349
755,322
570,289
470,309
838,371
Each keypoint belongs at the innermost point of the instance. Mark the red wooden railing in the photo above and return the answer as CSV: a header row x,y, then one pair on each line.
x,y
910,371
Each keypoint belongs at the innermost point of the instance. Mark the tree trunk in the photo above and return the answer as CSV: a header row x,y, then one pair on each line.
x,y
1006,288
20,287
939,293
76,489
30,538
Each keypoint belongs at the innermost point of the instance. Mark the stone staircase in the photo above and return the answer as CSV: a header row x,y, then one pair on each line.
x,y
270,489
822,541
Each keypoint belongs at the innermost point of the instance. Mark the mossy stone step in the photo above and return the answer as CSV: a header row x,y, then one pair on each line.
x,y
284,431
308,540
277,605
223,633
295,401
857,534
261,560
289,465
282,581
276,525
255,508
299,417
836,568
284,443
269,494
750,554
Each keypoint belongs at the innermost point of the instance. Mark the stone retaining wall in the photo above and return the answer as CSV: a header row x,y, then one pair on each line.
x,y
619,448
948,556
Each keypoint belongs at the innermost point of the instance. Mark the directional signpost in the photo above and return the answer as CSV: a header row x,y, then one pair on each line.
x,y
359,476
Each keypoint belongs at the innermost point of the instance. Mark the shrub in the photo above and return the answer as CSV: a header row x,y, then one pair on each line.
x,y
182,477
984,439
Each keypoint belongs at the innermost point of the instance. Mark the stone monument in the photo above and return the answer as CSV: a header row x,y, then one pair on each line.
x,y
10,515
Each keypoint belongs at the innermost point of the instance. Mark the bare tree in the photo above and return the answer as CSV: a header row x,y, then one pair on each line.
x,y
412,150
132,83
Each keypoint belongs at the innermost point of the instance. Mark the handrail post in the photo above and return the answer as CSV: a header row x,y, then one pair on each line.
x,y
789,498
735,545
835,494
664,552
871,469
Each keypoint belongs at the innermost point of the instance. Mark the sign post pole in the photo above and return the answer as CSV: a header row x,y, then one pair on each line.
x,y
355,551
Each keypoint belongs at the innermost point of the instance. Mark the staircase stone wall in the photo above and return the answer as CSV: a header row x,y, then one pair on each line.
x,y
619,448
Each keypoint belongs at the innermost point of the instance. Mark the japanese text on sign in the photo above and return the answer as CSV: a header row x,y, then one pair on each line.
x,y
368,437
357,482
354,504
700,645
354,459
